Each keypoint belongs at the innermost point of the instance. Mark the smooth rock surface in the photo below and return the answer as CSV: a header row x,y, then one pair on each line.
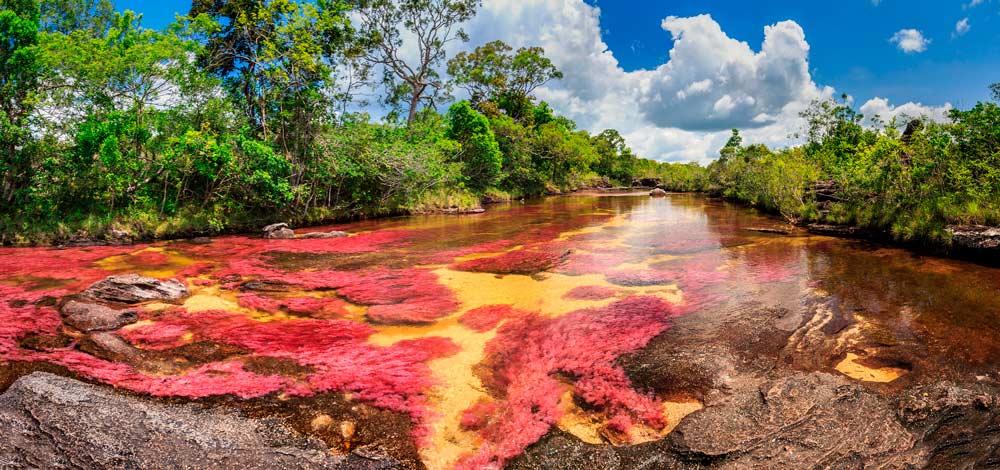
x,y
51,422
333,234
658,193
88,317
279,231
134,289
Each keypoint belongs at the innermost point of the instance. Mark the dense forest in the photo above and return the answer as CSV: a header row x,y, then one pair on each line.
x,y
244,112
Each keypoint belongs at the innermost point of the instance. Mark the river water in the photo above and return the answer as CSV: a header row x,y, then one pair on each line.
x,y
458,341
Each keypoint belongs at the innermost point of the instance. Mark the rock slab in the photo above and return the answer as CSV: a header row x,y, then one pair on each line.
x,y
88,317
279,231
52,422
134,289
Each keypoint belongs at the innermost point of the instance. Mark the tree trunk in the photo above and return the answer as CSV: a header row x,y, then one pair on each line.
x,y
418,92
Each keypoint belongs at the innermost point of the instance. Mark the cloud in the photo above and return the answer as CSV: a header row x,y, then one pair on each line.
x,y
713,82
880,109
961,27
973,4
681,110
910,41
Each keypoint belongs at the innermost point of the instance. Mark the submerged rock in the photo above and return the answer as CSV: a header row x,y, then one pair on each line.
x,y
111,347
134,289
333,234
279,231
88,317
657,193
47,421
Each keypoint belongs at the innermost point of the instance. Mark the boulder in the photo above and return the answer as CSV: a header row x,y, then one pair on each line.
x,y
88,317
134,289
333,234
111,347
801,421
279,231
975,237
657,193
47,421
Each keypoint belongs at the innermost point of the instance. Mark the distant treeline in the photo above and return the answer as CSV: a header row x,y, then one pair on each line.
x,y
910,178
244,112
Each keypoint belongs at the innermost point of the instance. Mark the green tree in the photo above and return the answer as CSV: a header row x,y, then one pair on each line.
x,y
614,159
493,73
433,24
19,75
66,16
480,153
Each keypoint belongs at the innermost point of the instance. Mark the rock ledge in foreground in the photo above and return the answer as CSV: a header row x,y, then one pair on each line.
x,y
47,421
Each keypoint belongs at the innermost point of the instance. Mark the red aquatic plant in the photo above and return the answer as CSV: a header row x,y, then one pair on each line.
x,y
478,415
20,317
590,293
523,261
341,360
531,357
317,307
487,317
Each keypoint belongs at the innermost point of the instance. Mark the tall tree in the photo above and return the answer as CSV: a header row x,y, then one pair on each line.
x,y
66,16
432,24
493,73
277,58
19,72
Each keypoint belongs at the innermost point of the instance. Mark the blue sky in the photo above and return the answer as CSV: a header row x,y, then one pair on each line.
x,y
675,76
849,38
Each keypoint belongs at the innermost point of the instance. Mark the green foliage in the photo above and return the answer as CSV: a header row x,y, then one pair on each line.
x,y
913,185
491,73
19,75
480,154
434,24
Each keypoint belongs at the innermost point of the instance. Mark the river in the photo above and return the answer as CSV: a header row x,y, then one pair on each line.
x,y
459,341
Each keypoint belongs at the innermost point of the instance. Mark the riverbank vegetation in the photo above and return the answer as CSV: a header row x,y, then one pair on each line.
x,y
245,111
909,177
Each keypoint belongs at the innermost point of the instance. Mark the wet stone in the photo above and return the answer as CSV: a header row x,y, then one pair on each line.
x,y
48,421
88,317
279,231
134,289
322,235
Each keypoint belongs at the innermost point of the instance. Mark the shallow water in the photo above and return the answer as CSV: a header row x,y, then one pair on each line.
x,y
488,330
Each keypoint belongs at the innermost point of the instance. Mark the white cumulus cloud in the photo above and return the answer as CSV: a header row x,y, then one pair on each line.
x,y
681,110
910,41
882,110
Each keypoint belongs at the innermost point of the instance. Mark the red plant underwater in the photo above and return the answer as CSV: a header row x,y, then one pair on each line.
x,y
531,357
523,261
590,293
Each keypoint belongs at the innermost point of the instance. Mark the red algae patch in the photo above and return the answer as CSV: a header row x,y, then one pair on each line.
x,y
315,307
488,317
530,357
590,293
523,261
